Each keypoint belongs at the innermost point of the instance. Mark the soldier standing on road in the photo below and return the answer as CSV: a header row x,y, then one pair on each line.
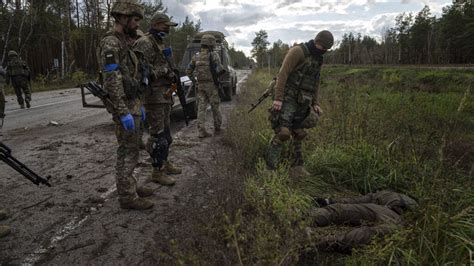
x,y
20,76
383,208
295,102
119,65
205,66
158,99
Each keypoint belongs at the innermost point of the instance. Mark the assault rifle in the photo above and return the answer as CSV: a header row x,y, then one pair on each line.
x,y
260,99
96,90
215,75
265,95
5,155
176,86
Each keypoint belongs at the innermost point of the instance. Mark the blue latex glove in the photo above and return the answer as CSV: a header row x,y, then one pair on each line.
x,y
143,113
127,122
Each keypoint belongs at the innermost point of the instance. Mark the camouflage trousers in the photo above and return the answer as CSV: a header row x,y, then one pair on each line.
x,y
158,119
127,160
21,87
2,103
291,119
354,214
208,94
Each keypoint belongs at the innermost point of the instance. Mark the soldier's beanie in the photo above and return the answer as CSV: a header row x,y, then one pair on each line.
x,y
325,39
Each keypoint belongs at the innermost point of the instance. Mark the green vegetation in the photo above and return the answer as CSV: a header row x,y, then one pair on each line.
x,y
408,130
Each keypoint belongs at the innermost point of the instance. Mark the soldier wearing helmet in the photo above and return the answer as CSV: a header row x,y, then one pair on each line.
x,y
19,74
158,98
384,208
295,99
205,66
119,64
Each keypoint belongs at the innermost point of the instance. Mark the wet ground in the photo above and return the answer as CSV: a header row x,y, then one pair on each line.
x,y
78,220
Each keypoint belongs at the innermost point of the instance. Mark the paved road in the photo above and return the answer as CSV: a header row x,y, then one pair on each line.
x,y
62,106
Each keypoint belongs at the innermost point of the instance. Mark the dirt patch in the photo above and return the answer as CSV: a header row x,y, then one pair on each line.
x,y
78,220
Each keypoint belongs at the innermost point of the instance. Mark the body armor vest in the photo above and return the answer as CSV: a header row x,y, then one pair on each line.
x,y
17,67
203,68
306,75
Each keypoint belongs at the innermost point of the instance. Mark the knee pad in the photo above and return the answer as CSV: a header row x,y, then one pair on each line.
x,y
168,137
159,150
283,134
299,133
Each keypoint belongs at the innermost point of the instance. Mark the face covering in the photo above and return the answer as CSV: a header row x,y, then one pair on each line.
x,y
159,34
313,50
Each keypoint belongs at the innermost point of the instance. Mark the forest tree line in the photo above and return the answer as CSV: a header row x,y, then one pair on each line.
x,y
56,33
415,39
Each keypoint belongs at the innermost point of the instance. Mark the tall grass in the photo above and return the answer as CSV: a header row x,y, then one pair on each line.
x,y
407,130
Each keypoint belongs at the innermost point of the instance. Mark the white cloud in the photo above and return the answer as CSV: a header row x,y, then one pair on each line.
x,y
295,20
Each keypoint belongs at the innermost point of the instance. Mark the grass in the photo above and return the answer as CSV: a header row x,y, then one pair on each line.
x,y
408,130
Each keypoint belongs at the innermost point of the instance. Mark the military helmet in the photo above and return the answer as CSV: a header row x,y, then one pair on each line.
x,y
162,17
127,8
325,39
12,53
208,39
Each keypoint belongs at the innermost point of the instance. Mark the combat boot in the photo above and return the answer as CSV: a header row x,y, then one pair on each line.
x,y
22,106
28,104
144,192
203,134
3,214
172,169
4,230
160,177
136,204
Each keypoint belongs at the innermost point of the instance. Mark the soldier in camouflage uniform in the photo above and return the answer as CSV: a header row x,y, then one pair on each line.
x,y
200,67
295,98
158,98
121,81
19,74
383,208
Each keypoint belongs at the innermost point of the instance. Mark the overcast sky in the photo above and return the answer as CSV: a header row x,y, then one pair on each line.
x,y
295,20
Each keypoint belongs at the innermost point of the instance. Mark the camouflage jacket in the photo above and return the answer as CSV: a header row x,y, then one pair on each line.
x,y
119,66
150,49
200,67
17,68
294,59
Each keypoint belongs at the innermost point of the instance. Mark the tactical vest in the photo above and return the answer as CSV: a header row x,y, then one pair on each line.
x,y
203,67
17,67
307,74
128,62
158,60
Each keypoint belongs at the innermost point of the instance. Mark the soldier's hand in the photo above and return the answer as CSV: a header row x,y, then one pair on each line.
x,y
317,109
128,122
277,105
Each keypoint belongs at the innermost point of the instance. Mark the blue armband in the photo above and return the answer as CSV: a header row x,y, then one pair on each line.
x,y
111,67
